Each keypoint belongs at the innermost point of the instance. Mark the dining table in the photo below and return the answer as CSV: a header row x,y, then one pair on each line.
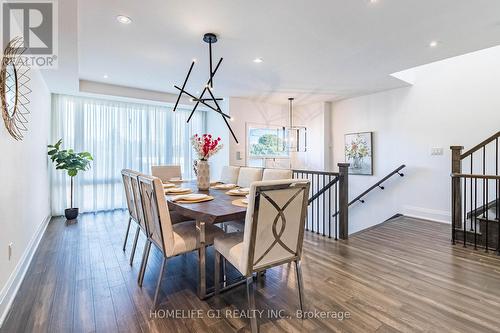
x,y
220,209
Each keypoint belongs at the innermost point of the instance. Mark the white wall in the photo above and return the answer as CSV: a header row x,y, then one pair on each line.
x,y
24,197
452,102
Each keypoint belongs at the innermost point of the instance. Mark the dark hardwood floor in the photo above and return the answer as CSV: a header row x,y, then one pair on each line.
x,y
402,276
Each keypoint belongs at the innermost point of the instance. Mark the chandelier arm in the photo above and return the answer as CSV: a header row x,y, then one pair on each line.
x,y
184,85
230,129
207,105
204,89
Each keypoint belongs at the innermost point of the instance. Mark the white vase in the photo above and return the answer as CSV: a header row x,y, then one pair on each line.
x,y
202,170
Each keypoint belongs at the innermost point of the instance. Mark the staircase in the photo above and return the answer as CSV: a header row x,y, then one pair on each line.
x,y
475,195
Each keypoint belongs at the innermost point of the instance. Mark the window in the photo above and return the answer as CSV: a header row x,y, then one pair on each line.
x,y
266,142
119,135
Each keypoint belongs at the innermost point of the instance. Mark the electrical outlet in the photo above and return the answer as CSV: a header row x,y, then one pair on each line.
x,y
10,250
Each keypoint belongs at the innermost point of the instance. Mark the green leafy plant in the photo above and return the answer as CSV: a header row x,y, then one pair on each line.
x,y
70,161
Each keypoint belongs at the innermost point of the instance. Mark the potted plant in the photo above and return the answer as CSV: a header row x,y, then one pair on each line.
x,y
71,162
205,147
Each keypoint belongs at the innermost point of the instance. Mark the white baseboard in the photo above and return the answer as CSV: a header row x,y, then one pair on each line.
x,y
427,214
8,293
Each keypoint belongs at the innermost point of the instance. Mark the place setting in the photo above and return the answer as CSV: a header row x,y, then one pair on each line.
x,y
243,202
243,191
177,190
191,198
223,186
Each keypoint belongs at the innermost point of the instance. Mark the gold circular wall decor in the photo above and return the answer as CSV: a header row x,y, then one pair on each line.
x,y
14,89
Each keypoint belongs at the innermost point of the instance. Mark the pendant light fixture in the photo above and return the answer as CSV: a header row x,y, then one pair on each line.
x,y
296,136
209,38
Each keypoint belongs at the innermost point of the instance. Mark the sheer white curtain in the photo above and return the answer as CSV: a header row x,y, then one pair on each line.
x,y
119,135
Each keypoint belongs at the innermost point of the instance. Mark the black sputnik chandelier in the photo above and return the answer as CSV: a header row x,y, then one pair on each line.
x,y
209,38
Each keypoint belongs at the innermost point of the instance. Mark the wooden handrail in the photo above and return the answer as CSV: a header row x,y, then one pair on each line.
x,y
464,175
377,184
314,172
480,145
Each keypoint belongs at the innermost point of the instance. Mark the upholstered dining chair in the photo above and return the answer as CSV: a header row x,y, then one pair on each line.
x,y
276,174
248,176
166,172
134,206
273,236
229,174
170,239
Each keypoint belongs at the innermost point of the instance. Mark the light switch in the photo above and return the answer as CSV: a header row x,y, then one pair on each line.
x,y
436,151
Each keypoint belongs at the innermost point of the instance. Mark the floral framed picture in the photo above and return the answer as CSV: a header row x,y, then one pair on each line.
x,y
359,153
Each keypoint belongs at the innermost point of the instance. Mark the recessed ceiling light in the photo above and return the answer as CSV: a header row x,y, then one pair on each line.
x,y
258,60
373,1
124,19
105,76
434,43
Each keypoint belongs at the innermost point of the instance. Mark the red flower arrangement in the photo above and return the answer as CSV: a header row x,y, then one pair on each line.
x,y
205,146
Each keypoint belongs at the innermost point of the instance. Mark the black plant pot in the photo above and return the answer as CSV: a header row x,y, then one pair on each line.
x,y
71,213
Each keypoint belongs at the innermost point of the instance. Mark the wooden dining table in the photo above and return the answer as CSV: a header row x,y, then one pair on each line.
x,y
220,209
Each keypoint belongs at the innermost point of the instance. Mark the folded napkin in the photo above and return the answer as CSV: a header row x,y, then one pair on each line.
x,y
178,190
189,197
224,186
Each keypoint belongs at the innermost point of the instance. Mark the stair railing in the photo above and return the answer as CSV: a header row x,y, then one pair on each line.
x,y
329,190
481,228
475,172
376,185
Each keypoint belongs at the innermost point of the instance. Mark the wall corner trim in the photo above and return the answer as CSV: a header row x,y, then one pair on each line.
x,y
9,292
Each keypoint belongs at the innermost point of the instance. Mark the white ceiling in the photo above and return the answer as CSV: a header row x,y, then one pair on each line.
x,y
313,50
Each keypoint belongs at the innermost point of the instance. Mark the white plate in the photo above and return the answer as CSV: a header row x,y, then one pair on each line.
x,y
245,201
190,197
168,185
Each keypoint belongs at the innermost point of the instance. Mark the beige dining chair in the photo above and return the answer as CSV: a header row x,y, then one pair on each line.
x,y
166,172
170,239
276,174
273,235
134,206
229,174
249,175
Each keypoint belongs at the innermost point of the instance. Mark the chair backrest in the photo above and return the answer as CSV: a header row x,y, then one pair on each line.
x,y
229,174
127,177
249,175
276,174
156,213
274,224
166,172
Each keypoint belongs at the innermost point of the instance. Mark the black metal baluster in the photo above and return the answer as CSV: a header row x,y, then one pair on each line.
x,y
486,208
464,222
324,206
465,202
485,204
471,188
475,212
317,206
453,220
312,203
330,208
336,208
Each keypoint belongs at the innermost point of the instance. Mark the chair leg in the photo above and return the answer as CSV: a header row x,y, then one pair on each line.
x,y
217,269
300,283
224,272
158,284
126,235
144,262
134,246
251,304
